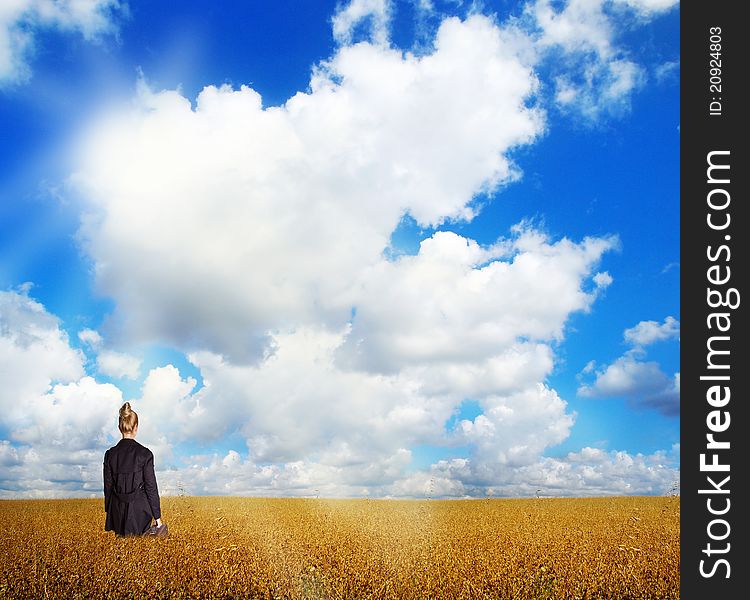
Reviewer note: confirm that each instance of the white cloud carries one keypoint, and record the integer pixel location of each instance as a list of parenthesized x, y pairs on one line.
[(302, 404), (514, 430), (212, 226), (643, 383), (297, 403), (589, 26), (456, 301), (90, 338), (34, 353), (667, 400), (59, 421), (352, 399), (595, 472), (52, 472), (603, 280), (668, 71), (21, 19), (168, 413), (375, 13), (118, 364), (258, 235), (8, 454), (72, 417), (593, 74), (285, 207), (627, 376), (580, 25), (312, 428), (590, 472), (649, 332), (110, 362), (648, 8), (253, 237)]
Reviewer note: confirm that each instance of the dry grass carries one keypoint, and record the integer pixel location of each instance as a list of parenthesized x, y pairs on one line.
[(619, 548)]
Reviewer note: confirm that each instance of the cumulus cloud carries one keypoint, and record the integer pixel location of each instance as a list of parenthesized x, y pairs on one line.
[(648, 7), (241, 219), (90, 338), (110, 362), (34, 353), (211, 226), (312, 427), (59, 420), (297, 403), (455, 301), (374, 14), (515, 429), (603, 280), (168, 413), (578, 25), (627, 375), (649, 332), (589, 472), (642, 382), (8, 454), (668, 71), (593, 75), (354, 417), (21, 19), (76, 417), (118, 364), (254, 239), (466, 326)]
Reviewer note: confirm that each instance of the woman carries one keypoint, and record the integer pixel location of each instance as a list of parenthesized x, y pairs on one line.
[(131, 497)]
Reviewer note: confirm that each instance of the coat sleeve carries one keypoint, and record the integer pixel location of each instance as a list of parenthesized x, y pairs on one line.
[(150, 487), (108, 482)]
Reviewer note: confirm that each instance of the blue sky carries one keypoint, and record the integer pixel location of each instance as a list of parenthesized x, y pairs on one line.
[(367, 248)]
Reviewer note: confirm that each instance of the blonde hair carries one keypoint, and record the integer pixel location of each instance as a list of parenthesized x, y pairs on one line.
[(128, 419)]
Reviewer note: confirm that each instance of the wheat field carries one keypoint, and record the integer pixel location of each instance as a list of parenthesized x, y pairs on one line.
[(226, 547)]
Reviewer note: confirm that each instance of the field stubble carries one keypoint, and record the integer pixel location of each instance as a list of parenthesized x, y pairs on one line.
[(224, 547)]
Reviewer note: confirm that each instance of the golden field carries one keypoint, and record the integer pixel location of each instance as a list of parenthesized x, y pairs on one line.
[(224, 547)]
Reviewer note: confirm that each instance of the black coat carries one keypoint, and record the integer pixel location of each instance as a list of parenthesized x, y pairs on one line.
[(131, 497)]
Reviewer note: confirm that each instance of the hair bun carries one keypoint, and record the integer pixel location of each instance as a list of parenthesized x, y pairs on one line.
[(128, 421)]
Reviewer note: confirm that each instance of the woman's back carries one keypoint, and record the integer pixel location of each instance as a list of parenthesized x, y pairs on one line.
[(131, 495)]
